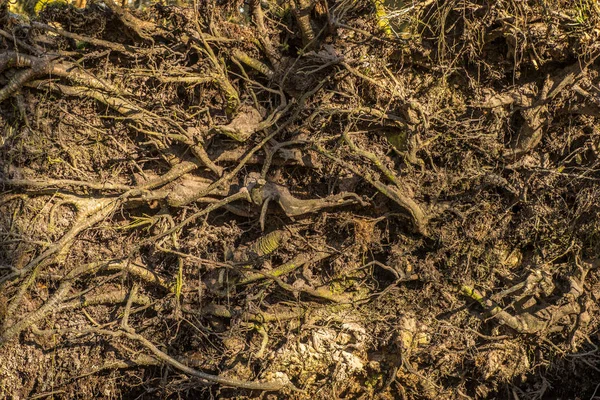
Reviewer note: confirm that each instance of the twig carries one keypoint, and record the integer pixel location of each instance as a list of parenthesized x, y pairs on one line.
[(132, 295), (407, 203), (221, 380), (62, 183), (97, 42)]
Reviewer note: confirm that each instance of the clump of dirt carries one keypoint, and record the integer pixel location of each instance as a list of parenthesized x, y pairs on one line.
[(300, 199)]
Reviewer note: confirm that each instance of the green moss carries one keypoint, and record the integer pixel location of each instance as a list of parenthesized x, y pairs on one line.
[(398, 140), (373, 380)]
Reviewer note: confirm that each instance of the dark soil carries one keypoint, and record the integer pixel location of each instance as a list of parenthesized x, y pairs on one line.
[(301, 199)]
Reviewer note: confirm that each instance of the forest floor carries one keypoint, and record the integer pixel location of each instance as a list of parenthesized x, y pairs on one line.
[(301, 199)]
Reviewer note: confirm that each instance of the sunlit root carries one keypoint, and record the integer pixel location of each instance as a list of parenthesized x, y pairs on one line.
[(293, 206)]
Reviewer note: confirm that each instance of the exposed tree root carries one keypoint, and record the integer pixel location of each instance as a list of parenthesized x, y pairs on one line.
[(217, 186)]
